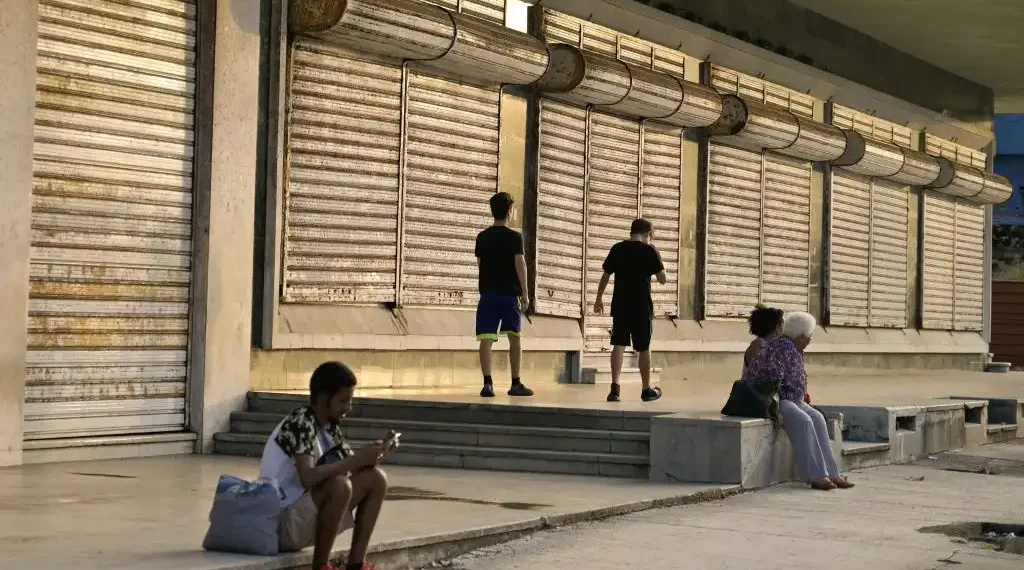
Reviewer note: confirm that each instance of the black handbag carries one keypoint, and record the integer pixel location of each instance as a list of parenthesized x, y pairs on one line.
[(748, 401)]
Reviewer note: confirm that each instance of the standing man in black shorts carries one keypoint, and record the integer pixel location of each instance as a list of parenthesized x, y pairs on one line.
[(633, 262), (503, 293)]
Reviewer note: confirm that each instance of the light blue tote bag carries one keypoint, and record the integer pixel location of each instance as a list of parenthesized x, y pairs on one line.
[(244, 517)]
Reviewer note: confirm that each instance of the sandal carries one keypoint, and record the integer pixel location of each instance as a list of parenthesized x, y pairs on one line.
[(842, 483), (823, 485)]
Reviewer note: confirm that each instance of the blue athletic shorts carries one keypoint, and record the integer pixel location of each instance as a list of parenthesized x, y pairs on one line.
[(498, 313)]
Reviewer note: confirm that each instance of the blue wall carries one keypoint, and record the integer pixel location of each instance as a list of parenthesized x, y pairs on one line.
[(1009, 162)]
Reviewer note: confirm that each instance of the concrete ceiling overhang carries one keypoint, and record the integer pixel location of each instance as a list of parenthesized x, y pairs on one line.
[(979, 40)]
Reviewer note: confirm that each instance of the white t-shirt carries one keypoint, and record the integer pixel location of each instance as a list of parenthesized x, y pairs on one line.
[(303, 437)]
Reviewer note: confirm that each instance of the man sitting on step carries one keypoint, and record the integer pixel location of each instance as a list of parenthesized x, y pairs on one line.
[(323, 480), (633, 262)]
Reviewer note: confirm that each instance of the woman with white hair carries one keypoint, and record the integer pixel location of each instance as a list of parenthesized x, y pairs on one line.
[(781, 359)]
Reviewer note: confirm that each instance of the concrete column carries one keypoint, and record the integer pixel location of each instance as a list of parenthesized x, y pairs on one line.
[(225, 213), (819, 240), (17, 112)]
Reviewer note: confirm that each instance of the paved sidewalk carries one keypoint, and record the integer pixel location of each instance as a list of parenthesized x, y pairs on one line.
[(152, 513), (789, 527)]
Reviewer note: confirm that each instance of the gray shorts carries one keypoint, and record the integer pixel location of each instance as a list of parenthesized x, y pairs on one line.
[(297, 527)]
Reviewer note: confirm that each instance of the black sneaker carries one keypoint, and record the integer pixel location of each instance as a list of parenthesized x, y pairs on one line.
[(488, 391), (519, 390), (650, 394), (613, 394)]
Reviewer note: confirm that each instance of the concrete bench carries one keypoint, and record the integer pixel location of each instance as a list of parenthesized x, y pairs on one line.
[(1005, 418), (725, 449)]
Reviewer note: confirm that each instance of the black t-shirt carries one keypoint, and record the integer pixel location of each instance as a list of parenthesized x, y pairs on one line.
[(632, 263), (497, 248)]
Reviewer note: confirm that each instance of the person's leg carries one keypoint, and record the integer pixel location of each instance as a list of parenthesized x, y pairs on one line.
[(800, 429), (512, 327), (487, 322), (620, 340), (332, 498), (369, 489), (824, 443), (644, 358), (641, 331)]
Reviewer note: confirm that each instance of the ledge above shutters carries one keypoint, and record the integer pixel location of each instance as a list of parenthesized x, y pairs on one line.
[(439, 40), (583, 78)]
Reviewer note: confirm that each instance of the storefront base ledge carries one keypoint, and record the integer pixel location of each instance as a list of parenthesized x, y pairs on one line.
[(293, 341), (109, 447)]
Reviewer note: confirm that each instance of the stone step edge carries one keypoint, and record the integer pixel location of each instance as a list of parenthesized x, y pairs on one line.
[(503, 429), (996, 428), (477, 451), (361, 401), (859, 447)]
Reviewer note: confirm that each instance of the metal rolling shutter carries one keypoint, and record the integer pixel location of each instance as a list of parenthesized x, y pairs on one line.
[(870, 216), (970, 267), (611, 205), (849, 263), (659, 203), (889, 220), (786, 233), (938, 263), (341, 196), (451, 172), (111, 253), (733, 267), (563, 131)]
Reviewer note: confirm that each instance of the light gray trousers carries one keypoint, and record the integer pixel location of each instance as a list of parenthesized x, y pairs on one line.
[(808, 433)]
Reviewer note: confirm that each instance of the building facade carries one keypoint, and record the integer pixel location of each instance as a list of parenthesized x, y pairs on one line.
[(214, 196)]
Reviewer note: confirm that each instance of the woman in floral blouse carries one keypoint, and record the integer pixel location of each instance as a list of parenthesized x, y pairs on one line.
[(781, 358)]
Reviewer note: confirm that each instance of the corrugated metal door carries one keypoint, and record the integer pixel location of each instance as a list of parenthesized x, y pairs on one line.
[(939, 261), (451, 171), (786, 233), (889, 219), (758, 244), (561, 188), (341, 195), (659, 203), (111, 250), (850, 251), (733, 253), (612, 192), (970, 266)]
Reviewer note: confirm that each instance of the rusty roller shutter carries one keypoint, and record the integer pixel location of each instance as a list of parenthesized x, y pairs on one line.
[(111, 252), (341, 194), (611, 205), (733, 258), (659, 203), (560, 209), (970, 266), (849, 253), (785, 233), (889, 220), (939, 261), (451, 171)]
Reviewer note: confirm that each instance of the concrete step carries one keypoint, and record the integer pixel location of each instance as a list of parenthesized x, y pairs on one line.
[(489, 458), (470, 413), (602, 360), (862, 454), (485, 435), (603, 375)]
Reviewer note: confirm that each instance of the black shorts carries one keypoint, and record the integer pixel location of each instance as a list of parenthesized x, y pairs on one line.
[(635, 330)]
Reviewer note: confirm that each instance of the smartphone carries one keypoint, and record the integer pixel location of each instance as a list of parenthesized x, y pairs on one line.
[(391, 441)]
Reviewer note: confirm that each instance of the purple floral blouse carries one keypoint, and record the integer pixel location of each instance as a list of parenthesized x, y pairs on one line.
[(779, 359)]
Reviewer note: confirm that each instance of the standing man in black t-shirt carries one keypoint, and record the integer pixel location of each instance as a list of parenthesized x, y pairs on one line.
[(503, 293), (633, 262)]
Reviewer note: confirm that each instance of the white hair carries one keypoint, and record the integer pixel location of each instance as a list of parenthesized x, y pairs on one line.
[(798, 324)]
